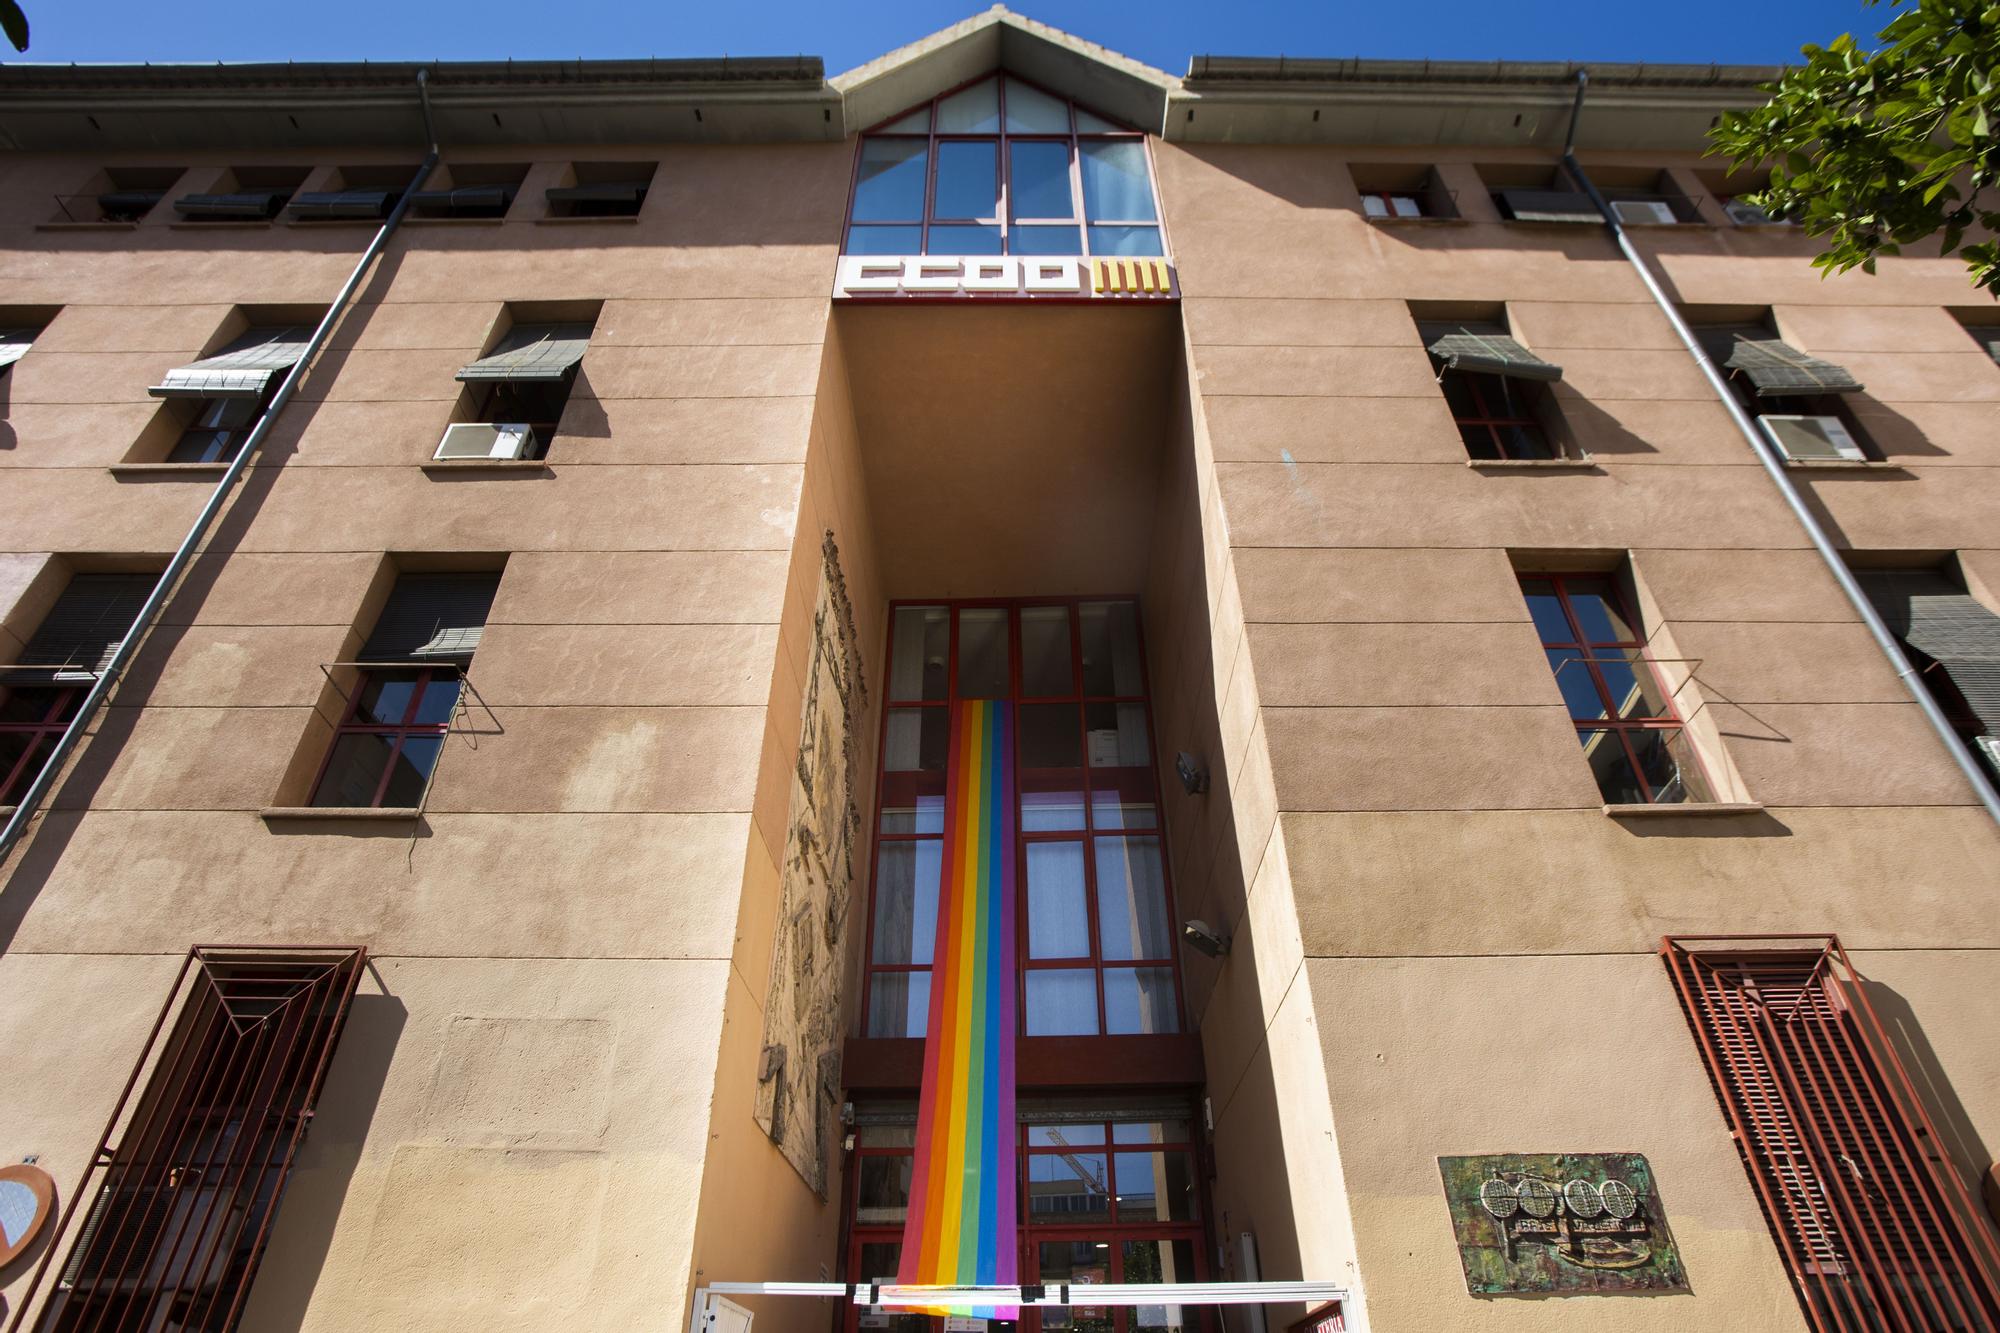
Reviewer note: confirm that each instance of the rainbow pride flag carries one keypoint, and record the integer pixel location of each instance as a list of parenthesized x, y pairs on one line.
[(961, 1228)]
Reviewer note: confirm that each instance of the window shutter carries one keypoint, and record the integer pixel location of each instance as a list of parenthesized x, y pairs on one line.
[(618, 192), (1775, 368), (432, 618), (1930, 613), (1876, 1228), (532, 353), (88, 622), (244, 369), (1485, 349), (1549, 206), (342, 204)]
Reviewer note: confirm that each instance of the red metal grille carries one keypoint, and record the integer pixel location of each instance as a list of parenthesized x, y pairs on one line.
[(179, 1199), (1874, 1224)]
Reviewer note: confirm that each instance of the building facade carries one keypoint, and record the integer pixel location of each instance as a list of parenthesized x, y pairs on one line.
[(1469, 848)]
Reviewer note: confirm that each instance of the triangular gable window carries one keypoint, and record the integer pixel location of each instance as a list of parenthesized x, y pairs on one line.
[(1001, 166)]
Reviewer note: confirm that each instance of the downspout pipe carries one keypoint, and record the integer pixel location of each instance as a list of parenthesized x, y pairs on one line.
[(107, 679), (1906, 671)]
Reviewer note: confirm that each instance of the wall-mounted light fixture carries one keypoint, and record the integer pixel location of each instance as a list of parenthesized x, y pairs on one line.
[(1194, 778), (1204, 938)]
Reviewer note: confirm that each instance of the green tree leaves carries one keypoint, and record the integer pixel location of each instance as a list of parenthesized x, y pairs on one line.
[(1876, 151)]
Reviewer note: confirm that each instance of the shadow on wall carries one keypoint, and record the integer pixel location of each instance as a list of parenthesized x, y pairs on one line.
[(316, 1190), (1253, 1189), (49, 836), (1963, 1144)]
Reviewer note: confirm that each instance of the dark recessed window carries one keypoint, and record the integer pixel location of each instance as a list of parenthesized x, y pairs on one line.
[(515, 395), (1498, 392), (401, 707), (1003, 167), (1799, 400), (43, 691), (1625, 719)]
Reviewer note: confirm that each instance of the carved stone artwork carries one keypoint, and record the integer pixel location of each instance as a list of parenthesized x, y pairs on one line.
[(798, 1074)]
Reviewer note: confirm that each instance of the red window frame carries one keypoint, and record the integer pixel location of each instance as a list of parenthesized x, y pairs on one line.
[(1638, 657), (400, 732), (1493, 422), (1872, 1221), (1388, 198), (1001, 138), (1110, 1232), (1087, 835), (41, 734)]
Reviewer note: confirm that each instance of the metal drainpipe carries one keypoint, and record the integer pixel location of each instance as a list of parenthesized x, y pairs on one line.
[(31, 799), (1968, 763)]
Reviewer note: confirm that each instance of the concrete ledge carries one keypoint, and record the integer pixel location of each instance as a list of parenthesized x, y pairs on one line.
[(222, 224), (85, 226), (626, 219), (167, 469), (515, 465), (1535, 464), (1687, 808), (1844, 465), (452, 222), (339, 813), (1425, 221)]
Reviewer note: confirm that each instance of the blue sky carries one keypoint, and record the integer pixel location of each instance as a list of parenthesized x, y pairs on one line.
[(846, 34)]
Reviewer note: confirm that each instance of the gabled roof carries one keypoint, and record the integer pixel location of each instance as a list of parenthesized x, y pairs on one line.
[(1114, 85)]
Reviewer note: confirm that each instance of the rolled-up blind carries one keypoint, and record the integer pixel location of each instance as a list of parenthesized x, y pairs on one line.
[(88, 622), (244, 369), (1939, 619), (432, 618), (1485, 349)]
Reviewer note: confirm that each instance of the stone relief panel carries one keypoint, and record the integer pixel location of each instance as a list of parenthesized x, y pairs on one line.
[(798, 1075)]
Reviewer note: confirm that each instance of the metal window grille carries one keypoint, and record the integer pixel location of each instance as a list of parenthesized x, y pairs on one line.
[(166, 1229), (1873, 1222)]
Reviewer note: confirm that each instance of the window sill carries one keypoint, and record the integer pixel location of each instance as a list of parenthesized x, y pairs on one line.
[(85, 226), (311, 224), (1425, 221), (167, 469), (452, 222), (1686, 808), (1842, 465), (223, 224), (626, 219), (488, 465), (333, 814), (1534, 464)]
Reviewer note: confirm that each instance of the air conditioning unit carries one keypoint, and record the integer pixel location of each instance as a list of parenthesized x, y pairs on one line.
[(1746, 214), (1643, 210), (1811, 437), (486, 439)]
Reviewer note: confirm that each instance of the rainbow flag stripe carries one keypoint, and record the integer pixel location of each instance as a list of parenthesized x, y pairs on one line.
[(962, 1219)]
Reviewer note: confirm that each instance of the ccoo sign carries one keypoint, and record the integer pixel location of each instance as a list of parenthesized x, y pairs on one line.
[(1003, 277)]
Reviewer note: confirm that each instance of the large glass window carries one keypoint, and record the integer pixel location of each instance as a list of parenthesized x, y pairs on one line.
[(1103, 1201), (1003, 167), (1625, 719), (1096, 930)]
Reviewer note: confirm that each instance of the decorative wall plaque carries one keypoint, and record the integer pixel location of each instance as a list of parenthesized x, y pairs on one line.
[(1534, 1224), (798, 1072)]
